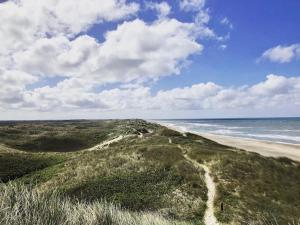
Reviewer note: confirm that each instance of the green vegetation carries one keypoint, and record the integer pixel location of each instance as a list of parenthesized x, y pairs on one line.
[(15, 165), (61, 136), (23, 205), (145, 171), (252, 186), (139, 191)]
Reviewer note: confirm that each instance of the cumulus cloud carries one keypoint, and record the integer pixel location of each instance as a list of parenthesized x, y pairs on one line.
[(137, 50), (24, 21), (13, 84), (163, 8), (134, 51), (57, 56), (47, 39), (282, 54), (225, 21), (192, 5), (273, 92), (201, 18)]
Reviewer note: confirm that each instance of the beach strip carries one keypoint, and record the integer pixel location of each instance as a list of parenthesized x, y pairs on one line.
[(265, 148)]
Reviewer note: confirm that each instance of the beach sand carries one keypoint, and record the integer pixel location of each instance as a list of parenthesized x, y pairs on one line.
[(265, 148)]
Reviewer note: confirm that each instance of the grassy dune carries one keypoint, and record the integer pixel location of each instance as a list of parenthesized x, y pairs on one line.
[(144, 172), (22, 205)]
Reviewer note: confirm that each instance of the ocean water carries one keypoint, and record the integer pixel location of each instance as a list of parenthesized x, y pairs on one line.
[(281, 130)]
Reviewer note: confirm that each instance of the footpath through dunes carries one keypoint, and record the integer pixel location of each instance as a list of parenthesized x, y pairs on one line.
[(209, 216), (107, 143)]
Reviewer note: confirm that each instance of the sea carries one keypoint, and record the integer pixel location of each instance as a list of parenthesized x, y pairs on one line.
[(280, 130)]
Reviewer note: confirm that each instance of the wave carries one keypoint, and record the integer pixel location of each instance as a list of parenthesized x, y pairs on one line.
[(234, 131), (173, 125), (285, 130), (204, 125), (216, 126), (275, 137), (226, 132)]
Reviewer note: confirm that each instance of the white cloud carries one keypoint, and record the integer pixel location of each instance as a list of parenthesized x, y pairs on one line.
[(192, 5), (223, 47), (13, 85), (137, 50), (282, 54), (163, 8), (134, 51), (193, 97), (57, 56), (24, 21), (225, 21), (275, 92), (46, 39), (37, 40), (201, 17)]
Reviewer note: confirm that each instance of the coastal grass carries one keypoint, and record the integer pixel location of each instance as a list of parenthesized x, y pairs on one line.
[(15, 165), (249, 186), (64, 136), (139, 191), (252, 186), (21, 204)]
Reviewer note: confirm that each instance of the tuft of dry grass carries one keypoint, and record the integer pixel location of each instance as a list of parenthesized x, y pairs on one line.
[(20, 204)]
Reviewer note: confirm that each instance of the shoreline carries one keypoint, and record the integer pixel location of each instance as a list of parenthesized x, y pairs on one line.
[(265, 148)]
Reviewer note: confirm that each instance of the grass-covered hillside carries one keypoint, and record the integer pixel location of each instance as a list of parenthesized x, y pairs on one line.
[(135, 172)]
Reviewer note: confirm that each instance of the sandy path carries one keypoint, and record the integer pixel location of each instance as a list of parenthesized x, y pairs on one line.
[(106, 143), (209, 216), (5, 149)]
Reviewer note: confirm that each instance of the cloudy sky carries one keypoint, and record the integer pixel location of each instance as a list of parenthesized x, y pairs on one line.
[(149, 59)]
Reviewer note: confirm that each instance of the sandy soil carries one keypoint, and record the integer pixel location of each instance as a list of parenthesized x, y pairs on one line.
[(5, 149), (265, 148), (106, 143), (209, 216)]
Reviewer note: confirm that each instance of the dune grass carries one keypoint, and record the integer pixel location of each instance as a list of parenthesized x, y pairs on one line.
[(20, 204), (64, 136), (15, 165), (251, 187), (139, 191)]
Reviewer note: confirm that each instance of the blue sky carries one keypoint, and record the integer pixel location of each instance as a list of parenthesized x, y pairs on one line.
[(111, 58), (257, 26)]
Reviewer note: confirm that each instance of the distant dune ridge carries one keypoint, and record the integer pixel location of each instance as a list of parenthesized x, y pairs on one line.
[(141, 173)]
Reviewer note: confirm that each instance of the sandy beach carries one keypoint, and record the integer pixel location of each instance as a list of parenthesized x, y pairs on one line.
[(265, 148)]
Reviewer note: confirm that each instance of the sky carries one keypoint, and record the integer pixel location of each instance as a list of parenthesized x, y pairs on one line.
[(98, 59)]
